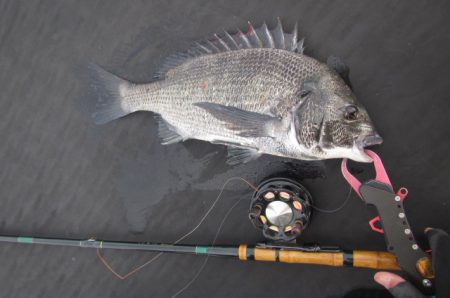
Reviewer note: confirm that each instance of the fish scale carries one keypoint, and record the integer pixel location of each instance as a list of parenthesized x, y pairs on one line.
[(231, 84), (255, 92)]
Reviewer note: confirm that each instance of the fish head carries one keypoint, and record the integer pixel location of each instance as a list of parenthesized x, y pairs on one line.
[(332, 122)]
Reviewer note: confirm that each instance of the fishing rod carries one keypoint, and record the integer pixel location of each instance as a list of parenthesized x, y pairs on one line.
[(329, 256), (282, 208)]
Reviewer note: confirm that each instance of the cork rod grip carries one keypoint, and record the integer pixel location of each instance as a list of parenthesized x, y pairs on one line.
[(375, 260), (319, 258), (362, 259)]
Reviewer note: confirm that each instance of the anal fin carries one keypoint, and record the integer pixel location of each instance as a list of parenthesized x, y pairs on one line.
[(237, 155), (167, 132)]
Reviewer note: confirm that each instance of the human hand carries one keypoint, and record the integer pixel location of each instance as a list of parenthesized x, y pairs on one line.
[(440, 246)]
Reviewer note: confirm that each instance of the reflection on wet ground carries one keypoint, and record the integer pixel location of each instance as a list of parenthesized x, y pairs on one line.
[(147, 179)]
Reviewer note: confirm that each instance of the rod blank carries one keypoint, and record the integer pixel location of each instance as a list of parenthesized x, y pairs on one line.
[(361, 259)]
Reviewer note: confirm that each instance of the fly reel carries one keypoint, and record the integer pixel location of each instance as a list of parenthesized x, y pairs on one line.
[(281, 208)]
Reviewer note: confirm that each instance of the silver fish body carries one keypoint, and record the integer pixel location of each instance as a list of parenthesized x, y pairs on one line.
[(254, 99)]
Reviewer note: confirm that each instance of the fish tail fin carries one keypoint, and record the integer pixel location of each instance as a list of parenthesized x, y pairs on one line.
[(111, 90)]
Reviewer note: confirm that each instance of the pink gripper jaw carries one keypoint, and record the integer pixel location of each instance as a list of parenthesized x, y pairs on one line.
[(381, 176), (380, 171), (354, 183)]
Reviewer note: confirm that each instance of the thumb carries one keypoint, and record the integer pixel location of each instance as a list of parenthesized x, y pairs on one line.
[(397, 286), (388, 280)]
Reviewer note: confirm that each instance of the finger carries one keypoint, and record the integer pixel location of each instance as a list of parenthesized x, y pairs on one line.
[(388, 280), (440, 246), (397, 286), (406, 290), (435, 233)]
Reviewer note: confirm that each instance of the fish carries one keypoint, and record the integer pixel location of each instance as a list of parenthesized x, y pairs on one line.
[(255, 92)]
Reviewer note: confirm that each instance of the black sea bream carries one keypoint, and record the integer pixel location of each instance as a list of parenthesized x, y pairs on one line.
[(255, 92)]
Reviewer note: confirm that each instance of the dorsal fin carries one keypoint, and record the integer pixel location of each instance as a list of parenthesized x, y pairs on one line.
[(261, 37), (265, 36)]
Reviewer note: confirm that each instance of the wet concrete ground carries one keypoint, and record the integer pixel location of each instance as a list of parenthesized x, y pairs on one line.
[(62, 176)]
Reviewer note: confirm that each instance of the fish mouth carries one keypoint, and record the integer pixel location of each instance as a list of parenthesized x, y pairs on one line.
[(371, 140), (367, 141)]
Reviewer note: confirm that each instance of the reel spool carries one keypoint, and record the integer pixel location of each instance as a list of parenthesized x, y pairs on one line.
[(281, 208)]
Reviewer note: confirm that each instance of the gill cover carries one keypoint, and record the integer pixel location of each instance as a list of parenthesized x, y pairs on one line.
[(308, 114)]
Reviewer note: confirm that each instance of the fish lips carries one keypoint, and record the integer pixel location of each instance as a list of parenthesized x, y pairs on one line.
[(367, 141), (371, 140)]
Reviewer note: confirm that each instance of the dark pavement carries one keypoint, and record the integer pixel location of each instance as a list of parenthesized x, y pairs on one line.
[(62, 176)]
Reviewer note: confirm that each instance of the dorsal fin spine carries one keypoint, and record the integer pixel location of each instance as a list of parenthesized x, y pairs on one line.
[(231, 40), (278, 35), (270, 42), (260, 37), (253, 37), (212, 46), (243, 37), (222, 42), (205, 49)]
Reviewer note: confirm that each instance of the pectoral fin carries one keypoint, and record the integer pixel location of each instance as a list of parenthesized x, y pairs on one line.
[(245, 123)]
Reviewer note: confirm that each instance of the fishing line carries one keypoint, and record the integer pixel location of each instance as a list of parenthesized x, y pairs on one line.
[(200, 270), (329, 211), (137, 269), (202, 267), (157, 256)]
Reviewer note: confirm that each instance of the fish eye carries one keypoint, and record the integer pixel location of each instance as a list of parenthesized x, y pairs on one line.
[(351, 112)]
